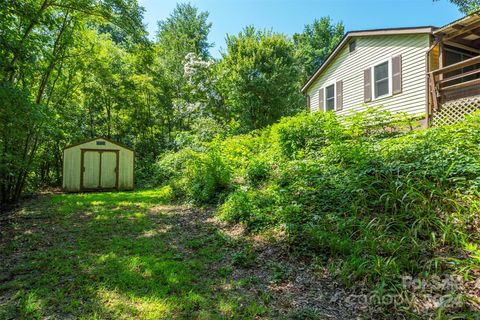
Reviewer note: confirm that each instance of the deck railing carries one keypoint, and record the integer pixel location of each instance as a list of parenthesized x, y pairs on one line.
[(457, 80)]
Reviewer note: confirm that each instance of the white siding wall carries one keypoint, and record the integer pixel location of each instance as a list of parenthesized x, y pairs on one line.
[(370, 50)]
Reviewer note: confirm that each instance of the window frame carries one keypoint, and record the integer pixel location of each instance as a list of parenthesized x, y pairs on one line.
[(390, 79), (325, 86)]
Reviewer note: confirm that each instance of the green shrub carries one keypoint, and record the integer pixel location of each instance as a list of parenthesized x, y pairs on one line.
[(257, 171), (238, 151), (378, 122), (254, 208), (198, 177), (206, 177), (366, 194), (298, 135), (172, 165)]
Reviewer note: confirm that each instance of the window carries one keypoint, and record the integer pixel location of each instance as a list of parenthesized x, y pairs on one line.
[(352, 45), (381, 79), (330, 97)]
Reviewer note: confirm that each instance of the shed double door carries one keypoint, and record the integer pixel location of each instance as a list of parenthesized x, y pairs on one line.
[(99, 169)]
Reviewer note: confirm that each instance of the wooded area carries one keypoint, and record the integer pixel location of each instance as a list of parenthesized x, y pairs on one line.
[(79, 69)]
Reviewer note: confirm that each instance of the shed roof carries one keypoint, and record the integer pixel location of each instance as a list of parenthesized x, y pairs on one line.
[(97, 138), (362, 33)]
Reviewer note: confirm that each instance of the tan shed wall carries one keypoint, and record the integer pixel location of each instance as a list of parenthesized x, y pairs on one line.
[(71, 169), (370, 50), (72, 162), (125, 175)]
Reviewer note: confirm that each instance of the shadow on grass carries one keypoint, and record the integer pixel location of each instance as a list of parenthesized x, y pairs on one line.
[(117, 256)]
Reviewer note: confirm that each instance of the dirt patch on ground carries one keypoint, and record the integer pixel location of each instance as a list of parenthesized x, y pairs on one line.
[(288, 285)]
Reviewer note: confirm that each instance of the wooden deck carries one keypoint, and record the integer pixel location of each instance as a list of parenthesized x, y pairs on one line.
[(454, 75), (453, 82)]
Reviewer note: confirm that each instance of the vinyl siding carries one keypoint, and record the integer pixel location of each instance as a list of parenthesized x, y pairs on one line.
[(370, 50)]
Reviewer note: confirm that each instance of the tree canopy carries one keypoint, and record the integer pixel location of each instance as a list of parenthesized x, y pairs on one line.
[(466, 6), (260, 77), (315, 43)]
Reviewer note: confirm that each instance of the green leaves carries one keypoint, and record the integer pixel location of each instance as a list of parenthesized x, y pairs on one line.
[(58, 64), (315, 43), (466, 6), (365, 194), (260, 78), (184, 31)]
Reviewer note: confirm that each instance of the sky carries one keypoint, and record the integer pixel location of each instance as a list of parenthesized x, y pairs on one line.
[(290, 16)]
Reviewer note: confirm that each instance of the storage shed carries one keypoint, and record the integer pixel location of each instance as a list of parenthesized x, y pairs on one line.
[(98, 164)]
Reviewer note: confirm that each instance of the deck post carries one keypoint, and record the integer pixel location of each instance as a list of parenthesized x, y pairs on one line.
[(433, 90), (441, 57)]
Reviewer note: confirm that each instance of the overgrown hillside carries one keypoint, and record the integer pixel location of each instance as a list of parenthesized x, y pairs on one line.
[(367, 197)]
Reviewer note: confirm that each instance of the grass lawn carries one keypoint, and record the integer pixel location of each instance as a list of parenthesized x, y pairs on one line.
[(131, 256), (116, 256)]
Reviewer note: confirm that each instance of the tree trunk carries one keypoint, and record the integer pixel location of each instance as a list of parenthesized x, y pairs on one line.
[(56, 48)]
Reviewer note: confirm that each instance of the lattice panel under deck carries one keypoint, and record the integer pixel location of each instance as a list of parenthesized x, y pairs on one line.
[(454, 111)]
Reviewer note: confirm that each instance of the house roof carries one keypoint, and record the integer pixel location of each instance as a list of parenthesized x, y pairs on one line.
[(458, 24), (362, 33), (463, 33), (97, 138)]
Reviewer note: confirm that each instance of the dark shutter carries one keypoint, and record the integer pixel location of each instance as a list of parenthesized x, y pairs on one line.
[(367, 85), (308, 102), (397, 74), (321, 99), (339, 87)]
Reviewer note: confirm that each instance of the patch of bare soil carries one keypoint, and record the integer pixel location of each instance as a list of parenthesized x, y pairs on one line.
[(288, 286), (297, 289)]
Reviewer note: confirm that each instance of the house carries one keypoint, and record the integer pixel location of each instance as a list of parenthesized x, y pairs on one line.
[(421, 71)]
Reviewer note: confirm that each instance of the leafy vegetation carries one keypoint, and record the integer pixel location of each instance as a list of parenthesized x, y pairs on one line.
[(466, 6), (368, 196), (315, 43), (86, 69), (261, 78)]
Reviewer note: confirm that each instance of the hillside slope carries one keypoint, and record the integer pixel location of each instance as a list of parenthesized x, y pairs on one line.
[(374, 201)]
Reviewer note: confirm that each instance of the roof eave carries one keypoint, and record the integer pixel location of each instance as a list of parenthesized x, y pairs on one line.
[(474, 16), (96, 138)]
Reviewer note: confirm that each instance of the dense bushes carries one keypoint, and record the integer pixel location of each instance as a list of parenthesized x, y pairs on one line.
[(366, 194), (198, 177)]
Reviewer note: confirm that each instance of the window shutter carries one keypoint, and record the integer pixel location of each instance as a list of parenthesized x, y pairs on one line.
[(397, 74), (339, 98), (308, 102), (321, 100), (367, 85)]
